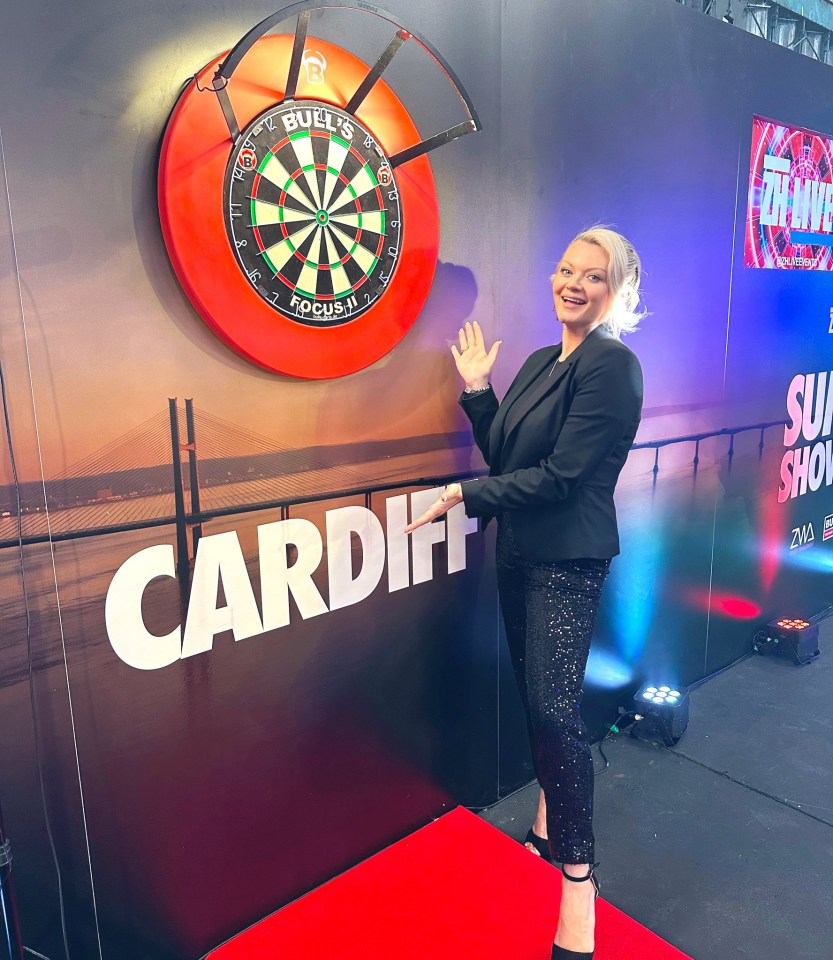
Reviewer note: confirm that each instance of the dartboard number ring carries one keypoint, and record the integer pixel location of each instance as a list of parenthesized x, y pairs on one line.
[(312, 213)]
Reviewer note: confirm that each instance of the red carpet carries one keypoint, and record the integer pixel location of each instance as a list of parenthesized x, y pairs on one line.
[(457, 889)]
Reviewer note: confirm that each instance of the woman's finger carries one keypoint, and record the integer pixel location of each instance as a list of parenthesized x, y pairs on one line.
[(478, 336), (455, 352), (425, 518), (437, 509), (461, 333)]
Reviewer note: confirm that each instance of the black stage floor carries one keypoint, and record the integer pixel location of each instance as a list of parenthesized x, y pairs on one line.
[(723, 844)]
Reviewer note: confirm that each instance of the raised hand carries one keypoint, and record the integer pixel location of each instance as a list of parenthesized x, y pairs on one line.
[(474, 362)]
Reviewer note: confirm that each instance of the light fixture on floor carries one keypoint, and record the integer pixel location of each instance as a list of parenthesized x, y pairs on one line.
[(792, 637), (662, 712)]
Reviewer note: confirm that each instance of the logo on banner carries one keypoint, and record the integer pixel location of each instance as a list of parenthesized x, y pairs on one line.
[(789, 218), (297, 202), (827, 533), (802, 536)]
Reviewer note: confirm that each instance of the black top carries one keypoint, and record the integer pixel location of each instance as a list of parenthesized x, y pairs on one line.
[(555, 448)]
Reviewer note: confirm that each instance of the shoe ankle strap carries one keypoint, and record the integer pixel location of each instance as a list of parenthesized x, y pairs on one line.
[(590, 871)]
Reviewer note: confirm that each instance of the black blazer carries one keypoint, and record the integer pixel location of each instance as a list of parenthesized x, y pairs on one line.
[(555, 447)]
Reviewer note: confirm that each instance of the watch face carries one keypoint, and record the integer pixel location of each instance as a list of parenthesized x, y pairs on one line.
[(312, 213)]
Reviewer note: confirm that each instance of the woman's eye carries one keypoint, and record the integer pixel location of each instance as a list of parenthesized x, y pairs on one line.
[(565, 271)]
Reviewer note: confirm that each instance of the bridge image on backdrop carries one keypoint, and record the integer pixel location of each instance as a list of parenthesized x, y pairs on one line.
[(185, 467)]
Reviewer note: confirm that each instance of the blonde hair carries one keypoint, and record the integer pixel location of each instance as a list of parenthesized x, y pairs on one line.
[(623, 275)]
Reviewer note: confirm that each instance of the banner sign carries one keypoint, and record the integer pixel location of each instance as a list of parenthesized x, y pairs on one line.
[(789, 213)]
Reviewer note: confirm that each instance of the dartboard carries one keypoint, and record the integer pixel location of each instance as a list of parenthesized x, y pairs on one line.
[(312, 213), (296, 199)]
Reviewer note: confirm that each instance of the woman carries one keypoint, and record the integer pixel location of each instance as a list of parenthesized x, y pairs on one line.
[(555, 447)]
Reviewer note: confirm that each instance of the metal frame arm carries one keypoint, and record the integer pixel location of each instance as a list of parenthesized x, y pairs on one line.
[(302, 10)]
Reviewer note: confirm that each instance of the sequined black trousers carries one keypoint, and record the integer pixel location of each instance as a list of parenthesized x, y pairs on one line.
[(549, 610)]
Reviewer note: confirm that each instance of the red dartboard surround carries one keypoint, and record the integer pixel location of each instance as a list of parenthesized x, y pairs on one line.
[(194, 157)]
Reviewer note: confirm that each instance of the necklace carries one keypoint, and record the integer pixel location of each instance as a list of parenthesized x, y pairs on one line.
[(557, 360)]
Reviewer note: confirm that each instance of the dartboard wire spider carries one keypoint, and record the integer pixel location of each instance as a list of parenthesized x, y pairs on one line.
[(302, 12)]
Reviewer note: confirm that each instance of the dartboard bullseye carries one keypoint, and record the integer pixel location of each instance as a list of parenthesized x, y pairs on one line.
[(312, 213)]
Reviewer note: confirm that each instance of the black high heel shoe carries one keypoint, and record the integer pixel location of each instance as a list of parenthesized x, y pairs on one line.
[(540, 844), (560, 953)]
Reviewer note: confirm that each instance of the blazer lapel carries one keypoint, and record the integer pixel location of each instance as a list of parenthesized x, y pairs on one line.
[(526, 400), (515, 394), (531, 398)]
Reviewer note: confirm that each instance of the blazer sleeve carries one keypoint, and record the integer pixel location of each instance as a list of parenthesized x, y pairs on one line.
[(607, 402), (481, 409)]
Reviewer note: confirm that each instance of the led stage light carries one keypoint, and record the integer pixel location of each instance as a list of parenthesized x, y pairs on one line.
[(662, 713), (792, 637)]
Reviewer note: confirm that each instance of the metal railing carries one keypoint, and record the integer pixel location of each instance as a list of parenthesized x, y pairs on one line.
[(189, 516)]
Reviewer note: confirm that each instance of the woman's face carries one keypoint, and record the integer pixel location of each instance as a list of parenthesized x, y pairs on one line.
[(579, 287)]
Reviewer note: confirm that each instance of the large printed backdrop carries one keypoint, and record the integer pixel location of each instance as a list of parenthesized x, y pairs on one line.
[(218, 786)]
